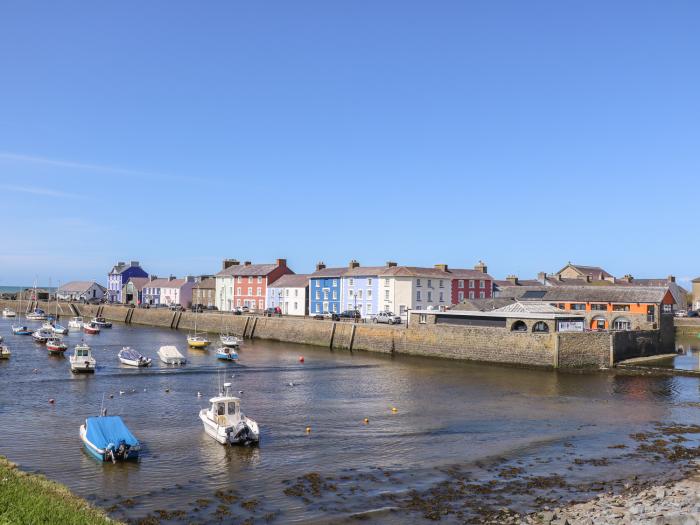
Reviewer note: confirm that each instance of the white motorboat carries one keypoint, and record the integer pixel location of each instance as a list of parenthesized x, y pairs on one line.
[(170, 355), (82, 360), (5, 352), (225, 422), (227, 354), (8, 312), (42, 335), (56, 346), (230, 340), (131, 357), (37, 315), (101, 322), (76, 323)]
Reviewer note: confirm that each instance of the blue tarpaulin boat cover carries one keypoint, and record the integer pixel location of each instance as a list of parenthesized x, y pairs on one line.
[(101, 431)]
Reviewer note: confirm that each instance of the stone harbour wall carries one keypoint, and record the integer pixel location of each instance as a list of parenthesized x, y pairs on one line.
[(485, 344)]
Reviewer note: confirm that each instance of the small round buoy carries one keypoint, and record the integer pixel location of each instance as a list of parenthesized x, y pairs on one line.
[(290, 384), (199, 394), (301, 358), (121, 392), (394, 410), (366, 420), (36, 370), (240, 391), (111, 396), (308, 430), (167, 390), (52, 401)]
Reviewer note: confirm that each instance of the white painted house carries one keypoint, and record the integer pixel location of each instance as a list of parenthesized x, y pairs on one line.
[(290, 292), (81, 291), (404, 287)]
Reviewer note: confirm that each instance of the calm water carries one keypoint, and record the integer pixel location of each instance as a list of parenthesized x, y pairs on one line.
[(451, 416)]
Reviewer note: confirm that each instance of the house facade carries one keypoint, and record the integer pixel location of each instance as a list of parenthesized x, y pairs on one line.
[(204, 291), (118, 277), (360, 289), (133, 290), (169, 291), (290, 293), (239, 285), (80, 291), (325, 289)]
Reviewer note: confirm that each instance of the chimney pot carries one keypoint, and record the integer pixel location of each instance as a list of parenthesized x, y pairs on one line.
[(390, 264), (513, 279), (120, 263), (671, 278), (353, 264), (481, 267), (247, 263), (441, 267), (542, 277), (282, 262), (227, 263), (171, 278), (320, 265), (134, 263)]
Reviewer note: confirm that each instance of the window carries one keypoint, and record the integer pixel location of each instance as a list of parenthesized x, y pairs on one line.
[(250, 279), (460, 296), (482, 295), (318, 308), (540, 327), (471, 283), (259, 290), (359, 294), (518, 326), (386, 282), (286, 292), (460, 283), (318, 283), (471, 295), (423, 318), (621, 308), (351, 292), (238, 290), (430, 297), (622, 323), (335, 308), (259, 279), (386, 295), (482, 284), (430, 283), (442, 297), (250, 290), (318, 295), (335, 282), (369, 309), (369, 281), (238, 302), (418, 282), (335, 295), (296, 292), (261, 304), (577, 306), (599, 307), (240, 279), (442, 283), (418, 295), (352, 282), (296, 306), (369, 294)]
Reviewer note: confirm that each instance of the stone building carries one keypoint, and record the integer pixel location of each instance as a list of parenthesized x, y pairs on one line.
[(204, 291)]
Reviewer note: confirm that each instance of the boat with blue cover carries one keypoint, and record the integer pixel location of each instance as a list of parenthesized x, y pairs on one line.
[(227, 354), (107, 438)]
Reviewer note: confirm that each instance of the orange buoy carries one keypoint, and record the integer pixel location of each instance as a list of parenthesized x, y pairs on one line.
[(308, 430), (301, 358), (366, 420)]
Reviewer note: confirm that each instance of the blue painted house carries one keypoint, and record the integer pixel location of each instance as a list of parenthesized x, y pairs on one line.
[(325, 289), (360, 289), (119, 276)]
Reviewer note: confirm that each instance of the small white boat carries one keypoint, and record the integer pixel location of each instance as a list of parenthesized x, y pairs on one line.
[(225, 422), (230, 340), (42, 335), (82, 360), (5, 352), (59, 329), (170, 355), (227, 354), (37, 315), (76, 323), (131, 357), (8, 312), (56, 346), (101, 322), (91, 328)]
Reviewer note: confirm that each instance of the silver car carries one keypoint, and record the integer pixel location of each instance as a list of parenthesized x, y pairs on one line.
[(388, 318)]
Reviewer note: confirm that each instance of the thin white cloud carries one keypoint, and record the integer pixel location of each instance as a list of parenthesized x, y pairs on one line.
[(82, 166), (38, 190)]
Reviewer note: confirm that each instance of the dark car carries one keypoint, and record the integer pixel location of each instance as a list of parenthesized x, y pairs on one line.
[(693, 313), (330, 316), (350, 314)]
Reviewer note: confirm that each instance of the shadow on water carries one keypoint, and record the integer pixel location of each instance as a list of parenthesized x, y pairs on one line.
[(514, 437)]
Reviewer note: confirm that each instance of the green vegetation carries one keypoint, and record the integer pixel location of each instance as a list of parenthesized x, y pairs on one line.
[(32, 499)]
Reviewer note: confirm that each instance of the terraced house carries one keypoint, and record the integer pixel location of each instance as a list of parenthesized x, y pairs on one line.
[(290, 293), (118, 277), (239, 285), (325, 289)]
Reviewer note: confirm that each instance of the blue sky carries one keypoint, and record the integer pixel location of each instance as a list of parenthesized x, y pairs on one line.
[(525, 134)]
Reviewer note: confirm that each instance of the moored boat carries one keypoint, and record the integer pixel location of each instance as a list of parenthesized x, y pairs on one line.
[(59, 329), (8, 312), (91, 328), (82, 359), (76, 323), (230, 340), (5, 352), (227, 354), (131, 357), (20, 329), (107, 438), (101, 322), (225, 422), (197, 341), (37, 315), (171, 355), (56, 346), (41, 335)]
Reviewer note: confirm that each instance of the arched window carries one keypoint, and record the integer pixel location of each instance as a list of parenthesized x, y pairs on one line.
[(518, 326), (622, 323), (540, 327)]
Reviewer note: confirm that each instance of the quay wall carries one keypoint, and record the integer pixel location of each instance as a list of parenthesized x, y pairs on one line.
[(485, 344), (687, 325)]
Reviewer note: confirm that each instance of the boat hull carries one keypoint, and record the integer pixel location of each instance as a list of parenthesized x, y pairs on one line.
[(101, 454), (198, 344), (219, 433), (134, 363), (227, 356), (56, 350), (82, 367), (91, 331)]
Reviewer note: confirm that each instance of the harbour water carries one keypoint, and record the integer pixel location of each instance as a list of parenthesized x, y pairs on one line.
[(505, 437)]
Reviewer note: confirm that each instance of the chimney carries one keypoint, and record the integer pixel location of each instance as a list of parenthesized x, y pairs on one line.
[(559, 277), (172, 278), (441, 267), (152, 278), (247, 263), (512, 279), (120, 263), (320, 265), (542, 277), (628, 278), (390, 264), (671, 278), (481, 267), (353, 264), (227, 263), (189, 278), (134, 263), (282, 262)]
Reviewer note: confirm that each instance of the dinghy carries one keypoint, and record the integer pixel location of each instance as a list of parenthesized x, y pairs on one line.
[(82, 360), (21, 330), (102, 322), (8, 312), (227, 354), (171, 356), (76, 323), (107, 438), (5, 352), (131, 357), (55, 346), (225, 422), (91, 328), (230, 340)]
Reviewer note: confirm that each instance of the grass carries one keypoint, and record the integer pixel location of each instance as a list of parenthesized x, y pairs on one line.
[(33, 499)]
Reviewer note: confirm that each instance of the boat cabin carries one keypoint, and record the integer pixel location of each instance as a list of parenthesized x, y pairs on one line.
[(225, 409), (82, 351)]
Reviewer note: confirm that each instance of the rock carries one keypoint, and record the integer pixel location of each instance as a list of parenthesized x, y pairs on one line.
[(547, 516)]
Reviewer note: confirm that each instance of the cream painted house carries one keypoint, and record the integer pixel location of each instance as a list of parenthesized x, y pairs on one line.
[(290, 293), (408, 287)]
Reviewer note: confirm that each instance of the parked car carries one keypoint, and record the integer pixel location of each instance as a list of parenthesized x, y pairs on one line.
[(175, 308), (350, 314), (328, 316), (693, 313), (211, 307), (270, 311), (681, 313), (387, 317)]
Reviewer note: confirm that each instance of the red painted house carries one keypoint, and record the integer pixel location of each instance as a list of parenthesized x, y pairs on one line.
[(246, 284), (471, 284)]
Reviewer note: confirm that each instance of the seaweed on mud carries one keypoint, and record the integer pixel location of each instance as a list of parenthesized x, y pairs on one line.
[(510, 473), (618, 446), (227, 496), (311, 484), (596, 462), (170, 514), (679, 429), (221, 512), (250, 505), (203, 502)]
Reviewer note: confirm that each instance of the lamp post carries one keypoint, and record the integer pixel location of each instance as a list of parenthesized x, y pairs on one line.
[(279, 300)]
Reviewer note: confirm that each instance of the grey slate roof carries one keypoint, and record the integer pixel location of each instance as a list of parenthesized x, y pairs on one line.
[(533, 307), (291, 280), (329, 272), (594, 294), (79, 286), (483, 305), (247, 270)]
